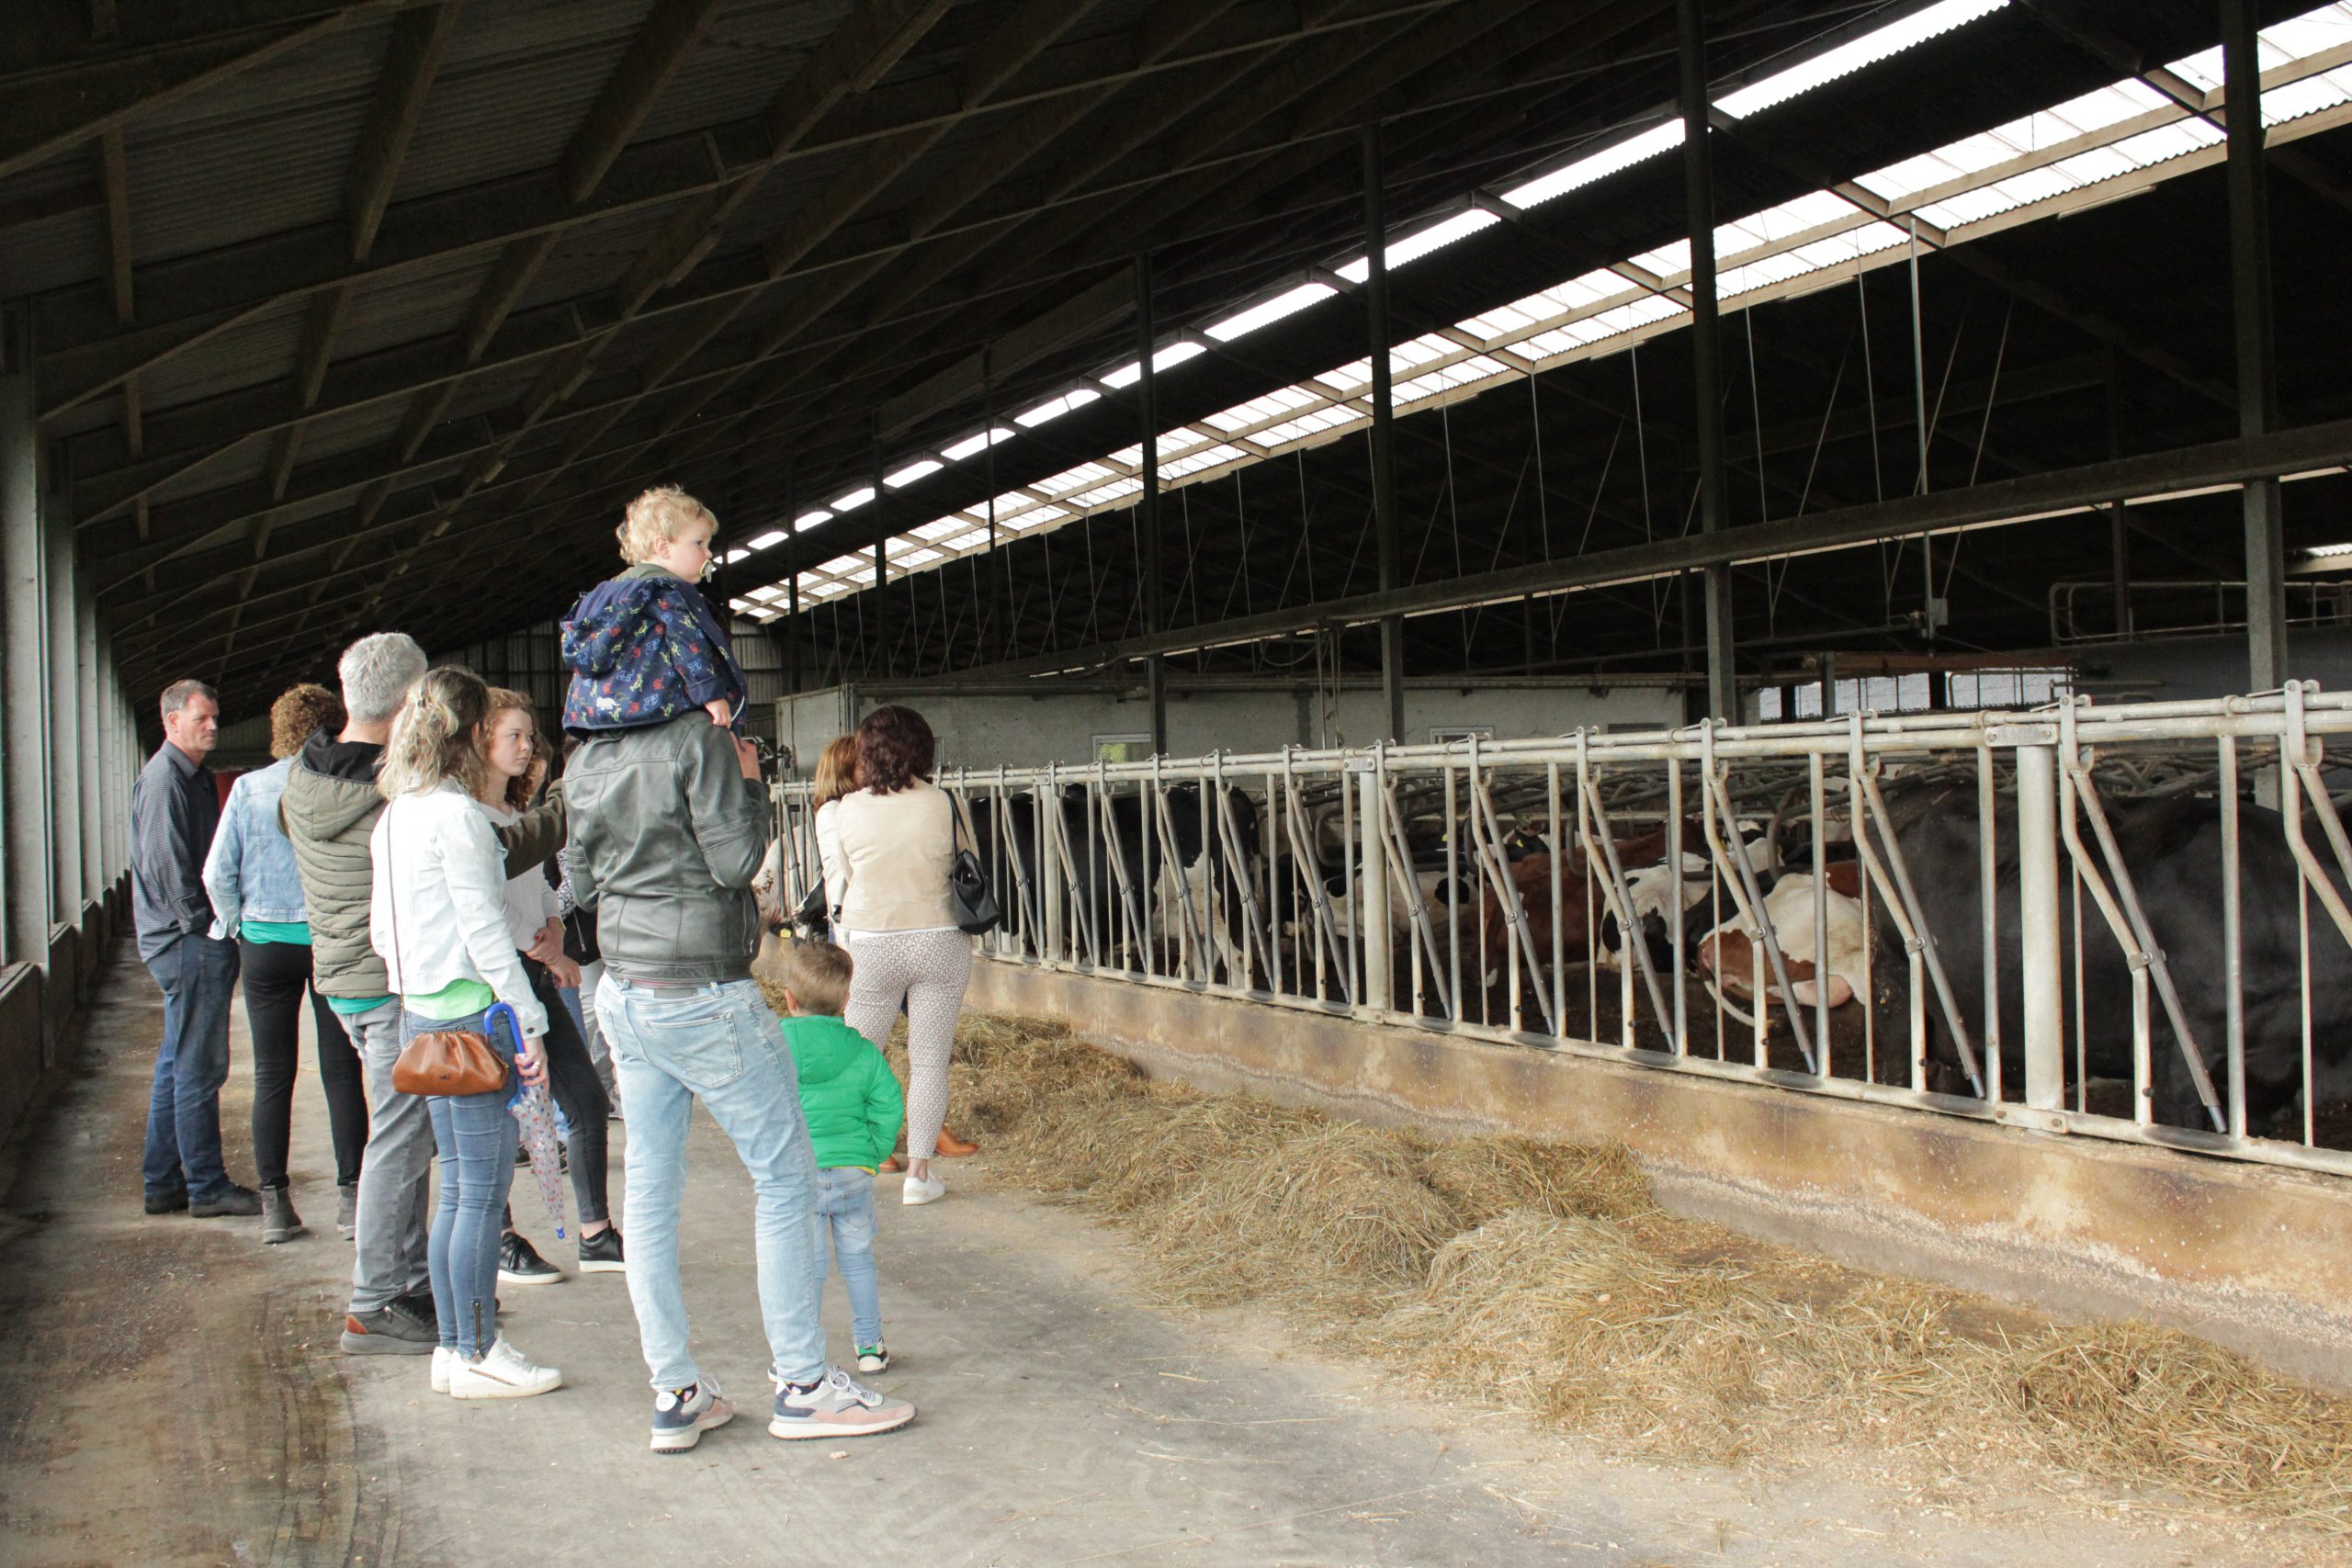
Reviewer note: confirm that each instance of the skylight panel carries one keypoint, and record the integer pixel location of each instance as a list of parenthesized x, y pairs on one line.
[(1036, 516), (770, 593), (810, 519), (1789, 219), (766, 541), (1118, 489), (963, 542), (854, 500), (1852, 56), (1307, 426), (844, 566), (1175, 354), (1762, 273), (1072, 479), (2297, 99), (1206, 457), (976, 443), (1348, 379), (1597, 166), (731, 556), (1268, 312), (911, 554), (941, 528), (1414, 246), (1054, 408)]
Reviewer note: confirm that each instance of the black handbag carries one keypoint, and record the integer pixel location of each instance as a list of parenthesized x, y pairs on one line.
[(976, 911)]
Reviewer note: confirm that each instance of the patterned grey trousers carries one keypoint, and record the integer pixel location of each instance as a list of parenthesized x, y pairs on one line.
[(928, 971)]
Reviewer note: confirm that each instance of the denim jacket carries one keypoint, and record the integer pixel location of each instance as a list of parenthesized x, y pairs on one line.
[(250, 872)]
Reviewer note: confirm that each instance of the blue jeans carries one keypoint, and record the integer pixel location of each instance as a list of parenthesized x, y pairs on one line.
[(196, 975), (717, 1044), (845, 1208), (477, 1136)]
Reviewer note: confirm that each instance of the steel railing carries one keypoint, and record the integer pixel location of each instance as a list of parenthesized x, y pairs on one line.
[(1703, 899)]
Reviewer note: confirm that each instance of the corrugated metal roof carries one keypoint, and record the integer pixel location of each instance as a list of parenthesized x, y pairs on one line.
[(411, 306), (514, 88), (271, 151), (262, 349), (752, 50)]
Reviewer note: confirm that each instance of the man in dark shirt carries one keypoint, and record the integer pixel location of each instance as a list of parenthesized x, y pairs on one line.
[(174, 808)]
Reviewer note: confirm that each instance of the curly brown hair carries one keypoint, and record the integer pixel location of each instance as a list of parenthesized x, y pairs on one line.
[(298, 713), (894, 749)]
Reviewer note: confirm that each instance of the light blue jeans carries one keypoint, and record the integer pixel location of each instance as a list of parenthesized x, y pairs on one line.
[(476, 1135), (846, 1205), (717, 1044)]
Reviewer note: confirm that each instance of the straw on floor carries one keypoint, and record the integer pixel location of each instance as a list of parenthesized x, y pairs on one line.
[(1541, 1277)]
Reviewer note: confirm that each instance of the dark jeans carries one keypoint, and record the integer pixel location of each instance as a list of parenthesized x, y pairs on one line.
[(576, 1089), (476, 1136), (275, 976), (197, 975)]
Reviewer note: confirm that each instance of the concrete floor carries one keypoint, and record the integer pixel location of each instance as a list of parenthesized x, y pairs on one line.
[(170, 1393)]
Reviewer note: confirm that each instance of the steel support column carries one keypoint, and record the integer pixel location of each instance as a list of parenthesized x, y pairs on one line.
[(2266, 575), (64, 718), (876, 661), (113, 780), (23, 657), (90, 760), (1147, 415), (1387, 549), (1706, 347)]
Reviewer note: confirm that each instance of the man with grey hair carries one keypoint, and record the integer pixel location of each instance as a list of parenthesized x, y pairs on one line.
[(329, 810), (174, 807)]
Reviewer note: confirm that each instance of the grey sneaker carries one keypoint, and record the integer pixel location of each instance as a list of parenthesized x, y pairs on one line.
[(682, 1416), (835, 1407), (396, 1328), (279, 1220)]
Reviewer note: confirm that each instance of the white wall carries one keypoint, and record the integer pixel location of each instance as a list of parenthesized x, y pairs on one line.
[(990, 729)]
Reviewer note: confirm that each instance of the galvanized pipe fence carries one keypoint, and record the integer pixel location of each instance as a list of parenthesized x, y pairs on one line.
[(2130, 922)]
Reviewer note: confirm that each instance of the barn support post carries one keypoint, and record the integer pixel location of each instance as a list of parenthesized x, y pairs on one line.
[(878, 662), (1372, 893), (2117, 524), (2040, 929), (63, 622), (1388, 550), (24, 658), (2250, 297), (1155, 665), (1706, 347)]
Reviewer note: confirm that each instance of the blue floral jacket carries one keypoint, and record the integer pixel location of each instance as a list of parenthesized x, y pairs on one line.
[(643, 649)]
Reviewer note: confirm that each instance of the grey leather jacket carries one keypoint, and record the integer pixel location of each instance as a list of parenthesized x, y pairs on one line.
[(666, 837)]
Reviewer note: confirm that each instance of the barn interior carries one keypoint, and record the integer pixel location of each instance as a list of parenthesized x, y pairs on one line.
[(1115, 380)]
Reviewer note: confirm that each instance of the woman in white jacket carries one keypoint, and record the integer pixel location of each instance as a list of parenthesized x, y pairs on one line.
[(438, 918)]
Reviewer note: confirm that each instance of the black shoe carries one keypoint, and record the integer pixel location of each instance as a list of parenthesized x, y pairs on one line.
[(601, 1253), (167, 1202), (236, 1200), (393, 1329), (519, 1263)]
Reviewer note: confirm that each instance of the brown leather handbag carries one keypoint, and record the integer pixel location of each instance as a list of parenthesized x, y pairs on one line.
[(440, 1061)]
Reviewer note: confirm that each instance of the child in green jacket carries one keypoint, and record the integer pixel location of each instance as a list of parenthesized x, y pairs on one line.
[(852, 1105)]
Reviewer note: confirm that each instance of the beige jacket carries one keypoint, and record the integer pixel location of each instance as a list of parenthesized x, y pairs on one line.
[(896, 850)]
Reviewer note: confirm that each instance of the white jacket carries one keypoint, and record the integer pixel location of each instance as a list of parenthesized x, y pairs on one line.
[(830, 859), (438, 911)]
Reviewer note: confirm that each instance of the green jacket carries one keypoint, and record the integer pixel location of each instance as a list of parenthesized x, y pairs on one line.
[(848, 1094)]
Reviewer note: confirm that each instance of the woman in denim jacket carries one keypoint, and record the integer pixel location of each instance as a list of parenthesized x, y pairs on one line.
[(257, 900)]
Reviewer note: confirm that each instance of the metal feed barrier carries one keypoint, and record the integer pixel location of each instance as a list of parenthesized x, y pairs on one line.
[(1500, 890)]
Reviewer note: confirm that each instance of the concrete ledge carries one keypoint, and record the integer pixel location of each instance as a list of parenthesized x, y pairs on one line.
[(22, 1037), (2256, 1258)]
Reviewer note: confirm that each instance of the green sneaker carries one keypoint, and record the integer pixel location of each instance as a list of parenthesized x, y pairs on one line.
[(873, 1358)]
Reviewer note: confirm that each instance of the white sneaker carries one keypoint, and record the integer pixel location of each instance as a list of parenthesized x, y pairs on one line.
[(923, 1190), (503, 1373), (443, 1359)]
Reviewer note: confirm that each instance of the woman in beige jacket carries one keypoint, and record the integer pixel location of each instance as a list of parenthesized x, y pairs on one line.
[(895, 835)]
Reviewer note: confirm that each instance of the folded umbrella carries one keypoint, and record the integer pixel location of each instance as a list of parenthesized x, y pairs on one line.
[(536, 1113)]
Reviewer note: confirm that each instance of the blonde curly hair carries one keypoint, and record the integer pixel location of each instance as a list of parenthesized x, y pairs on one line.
[(663, 513), (437, 735)]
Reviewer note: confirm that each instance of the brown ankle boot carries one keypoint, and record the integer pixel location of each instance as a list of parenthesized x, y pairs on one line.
[(952, 1147)]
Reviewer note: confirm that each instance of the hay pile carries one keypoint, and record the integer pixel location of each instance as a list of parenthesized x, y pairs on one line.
[(1540, 1277)]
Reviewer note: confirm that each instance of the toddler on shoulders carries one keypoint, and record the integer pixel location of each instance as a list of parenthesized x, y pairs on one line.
[(645, 646)]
